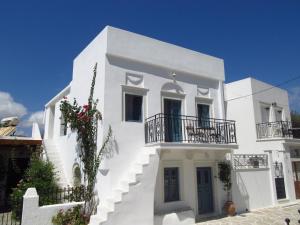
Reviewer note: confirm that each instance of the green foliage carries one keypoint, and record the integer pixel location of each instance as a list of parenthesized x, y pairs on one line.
[(73, 216), (295, 116), (84, 120), (225, 176), (40, 174)]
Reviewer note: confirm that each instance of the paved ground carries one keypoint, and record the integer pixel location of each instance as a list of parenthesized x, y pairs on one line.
[(270, 216)]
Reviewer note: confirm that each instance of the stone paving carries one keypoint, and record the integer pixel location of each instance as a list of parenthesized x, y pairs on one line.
[(269, 216)]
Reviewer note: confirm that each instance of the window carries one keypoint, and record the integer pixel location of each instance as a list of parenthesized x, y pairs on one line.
[(133, 107), (265, 114), (278, 115), (63, 126), (76, 175), (203, 115), (171, 184)]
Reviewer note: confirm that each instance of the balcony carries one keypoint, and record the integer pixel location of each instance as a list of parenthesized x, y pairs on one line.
[(188, 129), (278, 129)]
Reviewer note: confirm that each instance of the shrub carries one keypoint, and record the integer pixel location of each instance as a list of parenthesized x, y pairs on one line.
[(73, 216), (225, 176), (40, 174)]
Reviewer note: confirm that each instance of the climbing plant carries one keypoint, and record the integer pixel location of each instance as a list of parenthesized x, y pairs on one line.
[(84, 120)]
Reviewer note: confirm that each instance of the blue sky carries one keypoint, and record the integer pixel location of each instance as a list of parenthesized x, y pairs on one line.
[(39, 39)]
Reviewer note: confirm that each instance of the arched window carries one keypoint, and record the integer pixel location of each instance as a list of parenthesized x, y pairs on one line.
[(76, 175)]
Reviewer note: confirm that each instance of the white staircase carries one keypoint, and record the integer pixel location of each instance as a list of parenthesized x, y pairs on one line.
[(53, 156), (107, 207)]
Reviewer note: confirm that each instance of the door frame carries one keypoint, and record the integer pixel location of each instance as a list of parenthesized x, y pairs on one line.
[(211, 186), (214, 183), (178, 98)]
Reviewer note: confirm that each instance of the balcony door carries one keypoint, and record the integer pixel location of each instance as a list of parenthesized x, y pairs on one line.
[(172, 111)]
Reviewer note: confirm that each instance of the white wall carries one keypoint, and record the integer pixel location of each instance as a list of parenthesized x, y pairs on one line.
[(246, 112), (33, 214), (251, 189), (242, 111), (137, 47), (187, 162), (277, 95)]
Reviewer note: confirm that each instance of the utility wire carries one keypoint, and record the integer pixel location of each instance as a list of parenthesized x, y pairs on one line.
[(266, 89)]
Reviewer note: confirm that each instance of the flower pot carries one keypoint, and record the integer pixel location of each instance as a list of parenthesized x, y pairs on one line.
[(229, 208)]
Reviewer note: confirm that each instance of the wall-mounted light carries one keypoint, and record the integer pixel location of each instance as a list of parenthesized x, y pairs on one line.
[(277, 169), (174, 77), (274, 104)]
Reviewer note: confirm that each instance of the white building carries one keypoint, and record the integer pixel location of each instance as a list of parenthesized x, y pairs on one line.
[(166, 107), (263, 127)]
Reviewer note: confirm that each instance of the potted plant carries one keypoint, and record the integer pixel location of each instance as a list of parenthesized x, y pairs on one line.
[(225, 178)]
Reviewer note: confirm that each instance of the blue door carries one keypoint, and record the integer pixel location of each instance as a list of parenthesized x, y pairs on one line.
[(172, 112), (204, 189)]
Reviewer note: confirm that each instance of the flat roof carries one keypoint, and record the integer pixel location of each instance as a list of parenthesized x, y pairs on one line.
[(11, 140)]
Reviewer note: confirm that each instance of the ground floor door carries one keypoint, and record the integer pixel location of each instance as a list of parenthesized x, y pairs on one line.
[(204, 190), (296, 173), (279, 180)]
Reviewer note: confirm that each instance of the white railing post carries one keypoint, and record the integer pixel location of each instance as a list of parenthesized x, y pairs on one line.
[(30, 205)]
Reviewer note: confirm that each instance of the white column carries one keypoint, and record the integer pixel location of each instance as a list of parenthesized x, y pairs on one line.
[(221, 100), (271, 177), (288, 175)]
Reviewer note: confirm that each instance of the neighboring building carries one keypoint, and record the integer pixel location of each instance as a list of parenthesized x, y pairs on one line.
[(264, 132), (15, 153), (165, 105)]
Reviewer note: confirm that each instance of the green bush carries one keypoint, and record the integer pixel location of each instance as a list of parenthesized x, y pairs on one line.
[(40, 174), (73, 216)]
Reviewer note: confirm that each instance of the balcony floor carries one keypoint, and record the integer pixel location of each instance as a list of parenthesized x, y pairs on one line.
[(192, 146)]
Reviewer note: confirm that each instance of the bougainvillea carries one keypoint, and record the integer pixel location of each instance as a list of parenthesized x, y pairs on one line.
[(84, 121)]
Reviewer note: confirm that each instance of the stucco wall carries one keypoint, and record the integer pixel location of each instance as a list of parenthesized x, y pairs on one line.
[(187, 162), (251, 189), (246, 112)]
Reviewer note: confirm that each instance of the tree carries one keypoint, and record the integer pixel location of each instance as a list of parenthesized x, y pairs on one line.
[(40, 174)]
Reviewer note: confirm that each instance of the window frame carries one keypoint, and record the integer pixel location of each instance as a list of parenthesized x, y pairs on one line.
[(63, 128), (141, 110), (178, 184), (204, 101), (138, 91)]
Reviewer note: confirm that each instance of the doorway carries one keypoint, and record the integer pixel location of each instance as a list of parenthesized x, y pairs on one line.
[(204, 190), (172, 115), (296, 173)]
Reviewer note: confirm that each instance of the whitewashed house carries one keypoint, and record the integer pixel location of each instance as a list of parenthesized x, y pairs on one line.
[(264, 175), (157, 97)]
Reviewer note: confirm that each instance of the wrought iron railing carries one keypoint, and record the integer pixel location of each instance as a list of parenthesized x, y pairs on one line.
[(189, 129), (61, 195), (250, 161), (274, 129)]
